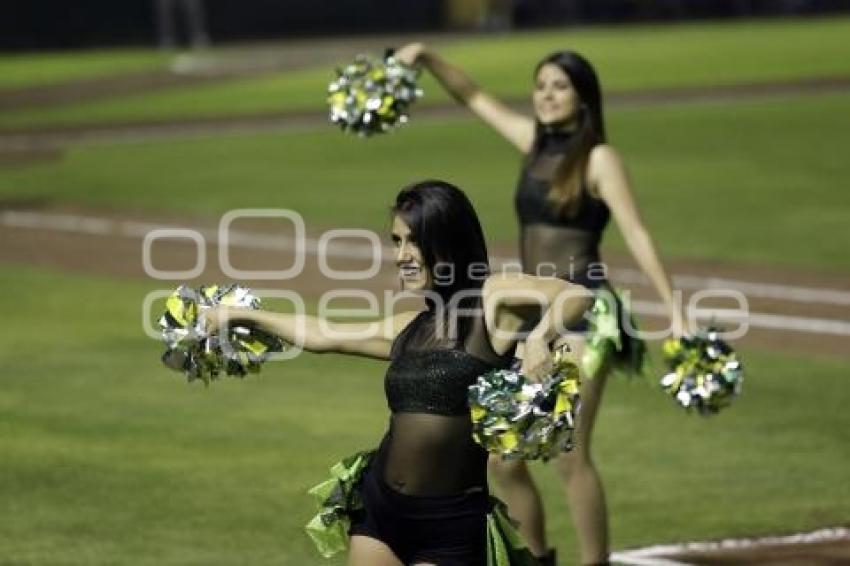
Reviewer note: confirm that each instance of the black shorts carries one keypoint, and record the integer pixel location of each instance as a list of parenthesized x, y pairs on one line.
[(594, 285), (447, 531)]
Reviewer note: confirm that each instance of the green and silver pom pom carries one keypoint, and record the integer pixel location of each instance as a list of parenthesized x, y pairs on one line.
[(705, 372), (521, 419), (205, 356), (371, 96)]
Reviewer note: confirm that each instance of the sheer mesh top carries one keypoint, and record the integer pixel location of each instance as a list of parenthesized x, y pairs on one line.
[(429, 449), (570, 243)]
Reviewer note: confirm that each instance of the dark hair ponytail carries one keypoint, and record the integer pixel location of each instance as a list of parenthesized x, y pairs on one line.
[(566, 191)]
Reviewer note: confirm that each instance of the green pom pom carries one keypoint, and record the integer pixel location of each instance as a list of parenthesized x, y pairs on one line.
[(705, 373), (372, 96), (201, 355), (516, 418)]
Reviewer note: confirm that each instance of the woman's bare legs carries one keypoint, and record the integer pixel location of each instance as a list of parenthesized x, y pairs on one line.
[(519, 492), (367, 551), (578, 476)]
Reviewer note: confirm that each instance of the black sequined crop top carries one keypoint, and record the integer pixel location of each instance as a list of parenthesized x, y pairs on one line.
[(432, 381), (429, 449), (425, 378), (570, 243)]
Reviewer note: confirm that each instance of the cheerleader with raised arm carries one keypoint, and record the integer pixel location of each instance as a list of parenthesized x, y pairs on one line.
[(571, 181)]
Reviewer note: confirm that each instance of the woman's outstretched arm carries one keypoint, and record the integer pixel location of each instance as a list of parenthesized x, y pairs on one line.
[(317, 334), (515, 127), (607, 173)]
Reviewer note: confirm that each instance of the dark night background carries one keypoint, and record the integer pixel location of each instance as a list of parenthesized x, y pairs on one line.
[(37, 24)]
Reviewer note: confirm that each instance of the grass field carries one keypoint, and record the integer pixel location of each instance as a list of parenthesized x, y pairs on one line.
[(627, 58), (699, 169), (110, 458), (51, 68)]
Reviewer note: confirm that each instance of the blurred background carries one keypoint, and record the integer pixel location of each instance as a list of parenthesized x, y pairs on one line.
[(118, 118), (54, 24)]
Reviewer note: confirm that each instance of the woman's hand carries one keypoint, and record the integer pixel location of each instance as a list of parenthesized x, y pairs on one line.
[(221, 316), (409, 54), (537, 359)]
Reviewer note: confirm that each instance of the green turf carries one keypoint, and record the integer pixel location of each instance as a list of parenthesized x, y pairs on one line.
[(38, 69), (109, 458), (757, 181), (627, 57)]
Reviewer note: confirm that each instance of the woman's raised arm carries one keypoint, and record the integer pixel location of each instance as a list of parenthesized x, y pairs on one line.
[(515, 127)]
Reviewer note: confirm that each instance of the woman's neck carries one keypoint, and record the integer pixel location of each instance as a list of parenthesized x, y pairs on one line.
[(564, 127)]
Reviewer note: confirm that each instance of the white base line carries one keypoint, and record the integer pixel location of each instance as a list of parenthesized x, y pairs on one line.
[(659, 554), (761, 290), (254, 240), (754, 319), (624, 276)]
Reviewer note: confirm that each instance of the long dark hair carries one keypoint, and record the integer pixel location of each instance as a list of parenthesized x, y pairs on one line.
[(444, 225), (566, 193)]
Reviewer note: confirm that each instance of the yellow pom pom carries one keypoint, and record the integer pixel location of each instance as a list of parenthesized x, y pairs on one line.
[(477, 413), (562, 405), (671, 347), (569, 387), (185, 315), (386, 106), (508, 440), (337, 99)]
